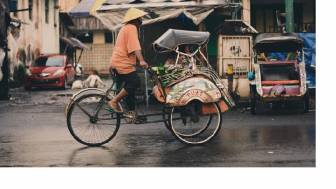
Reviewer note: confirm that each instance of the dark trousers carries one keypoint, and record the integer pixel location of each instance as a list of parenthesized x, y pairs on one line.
[(132, 82)]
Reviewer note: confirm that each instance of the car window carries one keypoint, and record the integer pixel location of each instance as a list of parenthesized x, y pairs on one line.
[(48, 62)]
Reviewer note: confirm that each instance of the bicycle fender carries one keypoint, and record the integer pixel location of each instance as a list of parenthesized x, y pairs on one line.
[(193, 89), (76, 95)]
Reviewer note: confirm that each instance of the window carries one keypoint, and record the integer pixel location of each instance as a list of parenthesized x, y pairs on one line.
[(48, 62), (46, 11), (84, 38), (30, 4), (108, 37)]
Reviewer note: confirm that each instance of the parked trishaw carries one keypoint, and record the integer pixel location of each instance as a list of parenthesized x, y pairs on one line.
[(193, 98), (278, 77)]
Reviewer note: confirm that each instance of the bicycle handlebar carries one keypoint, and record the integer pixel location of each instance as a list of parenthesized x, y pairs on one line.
[(150, 70)]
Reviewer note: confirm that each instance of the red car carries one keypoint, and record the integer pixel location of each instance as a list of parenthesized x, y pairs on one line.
[(49, 71)]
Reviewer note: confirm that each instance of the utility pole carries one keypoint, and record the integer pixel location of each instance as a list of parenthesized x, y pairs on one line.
[(289, 16), (4, 22)]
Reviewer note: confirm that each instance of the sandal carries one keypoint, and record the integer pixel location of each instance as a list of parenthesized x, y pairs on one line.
[(113, 110)]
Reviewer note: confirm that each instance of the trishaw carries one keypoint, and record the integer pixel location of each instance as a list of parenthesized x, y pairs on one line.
[(278, 78), (193, 99)]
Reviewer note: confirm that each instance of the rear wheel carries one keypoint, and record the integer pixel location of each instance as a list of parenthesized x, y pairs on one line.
[(190, 126), (165, 116), (253, 100), (89, 127), (305, 101)]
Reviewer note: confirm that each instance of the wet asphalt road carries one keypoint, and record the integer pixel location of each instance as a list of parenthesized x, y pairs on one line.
[(34, 134)]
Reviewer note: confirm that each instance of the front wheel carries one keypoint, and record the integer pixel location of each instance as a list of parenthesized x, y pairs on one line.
[(88, 121), (190, 126), (65, 85)]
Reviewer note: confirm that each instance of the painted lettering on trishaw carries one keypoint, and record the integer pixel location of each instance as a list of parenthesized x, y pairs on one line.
[(194, 93)]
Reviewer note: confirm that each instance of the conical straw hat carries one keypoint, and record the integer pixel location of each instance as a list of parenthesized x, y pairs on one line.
[(132, 14)]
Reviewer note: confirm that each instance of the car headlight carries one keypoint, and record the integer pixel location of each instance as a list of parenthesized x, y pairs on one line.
[(58, 72), (28, 72)]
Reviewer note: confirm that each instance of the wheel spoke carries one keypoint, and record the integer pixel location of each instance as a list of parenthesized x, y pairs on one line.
[(190, 126), (96, 130)]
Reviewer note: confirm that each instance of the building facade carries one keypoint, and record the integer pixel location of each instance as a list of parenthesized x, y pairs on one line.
[(39, 34)]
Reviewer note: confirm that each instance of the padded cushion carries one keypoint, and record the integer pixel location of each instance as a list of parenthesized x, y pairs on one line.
[(280, 82)]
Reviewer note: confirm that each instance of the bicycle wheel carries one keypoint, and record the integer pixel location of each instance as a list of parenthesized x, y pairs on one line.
[(190, 126), (87, 127), (253, 100), (165, 116), (305, 101)]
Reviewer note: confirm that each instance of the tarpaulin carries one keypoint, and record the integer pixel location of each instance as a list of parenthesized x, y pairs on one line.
[(310, 56), (112, 15), (86, 8)]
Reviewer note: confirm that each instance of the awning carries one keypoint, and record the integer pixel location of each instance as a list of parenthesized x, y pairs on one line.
[(86, 8), (66, 6), (74, 43), (112, 15)]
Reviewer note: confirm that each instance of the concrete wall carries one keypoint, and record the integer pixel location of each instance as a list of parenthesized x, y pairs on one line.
[(96, 59), (99, 37), (246, 14)]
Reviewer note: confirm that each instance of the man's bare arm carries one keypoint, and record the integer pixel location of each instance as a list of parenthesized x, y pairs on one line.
[(142, 62)]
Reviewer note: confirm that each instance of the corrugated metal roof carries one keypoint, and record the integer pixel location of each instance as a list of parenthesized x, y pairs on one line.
[(112, 15)]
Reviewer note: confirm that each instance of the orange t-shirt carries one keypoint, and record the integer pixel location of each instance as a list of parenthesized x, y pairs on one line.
[(123, 58)]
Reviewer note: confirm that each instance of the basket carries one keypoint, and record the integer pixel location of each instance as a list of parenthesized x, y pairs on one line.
[(175, 76)]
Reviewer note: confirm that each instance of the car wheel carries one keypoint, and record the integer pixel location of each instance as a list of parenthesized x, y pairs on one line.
[(65, 85)]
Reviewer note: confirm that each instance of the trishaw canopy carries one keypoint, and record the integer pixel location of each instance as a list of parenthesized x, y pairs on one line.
[(278, 42), (173, 38)]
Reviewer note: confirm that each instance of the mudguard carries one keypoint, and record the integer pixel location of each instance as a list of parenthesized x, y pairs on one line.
[(80, 93), (192, 89)]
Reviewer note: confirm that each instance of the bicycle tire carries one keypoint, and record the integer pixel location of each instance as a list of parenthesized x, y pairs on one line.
[(193, 128), (165, 117), (305, 101), (92, 131), (253, 101)]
